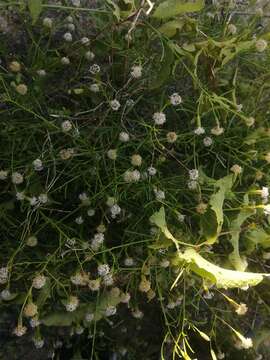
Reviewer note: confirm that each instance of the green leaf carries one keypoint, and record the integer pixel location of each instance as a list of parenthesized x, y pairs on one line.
[(255, 237), (234, 257), (116, 10), (222, 278), (170, 28), (212, 220), (163, 72), (35, 8), (170, 8)]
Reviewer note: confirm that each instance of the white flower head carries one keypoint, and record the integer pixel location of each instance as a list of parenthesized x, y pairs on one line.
[(207, 141), (160, 195), (199, 131), (265, 192), (159, 118), (136, 160), (267, 209), (94, 88), (241, 309), (236, 169), (132, 176), (97, 241), (33, 200), (79, 220), (85, 40), (136, 71), (39, 343), (65, 60), (261, 45), (72, 303), (43, 198), (110, 311), (124, 136), (112, 154), (39, 281), (193, 174), (175, 99), (47, 22), (66, 126), (217, 130), (192, 184), (94, 69), (37, 164), (129, 261), (20, 330), (67, 37), (91, 212), (115, 104), (17, 178), (3, 174), (103, 269), (89, 55), (152, 171), (41, 72), (115, 210)]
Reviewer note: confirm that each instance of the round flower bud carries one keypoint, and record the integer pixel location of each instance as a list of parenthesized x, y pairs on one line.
[(32, 241), (21, 89), (15, 66), (30, 309), (136, 160)]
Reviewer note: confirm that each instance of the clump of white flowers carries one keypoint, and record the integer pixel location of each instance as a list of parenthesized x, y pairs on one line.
[(39, 281), (241, 309), (66, 126), (175, 99), (136, 71), (32, 241), (159, 194), (89, 55), (94, 88), (199, 131), (72, 303), (207, 141), (171, 137), (19, 330), (97, 241), (66, 154), (47, 22), (159, 118), (151, 171), (136, 160), (261, 45), (124, 136), (236, 169), (132, 176), (115, 104), (217, 130), (37, 164), (3, 174), (112, 154), (115, 210), (68, 37), (193, 174), (17, 178), (94, 69), (65, 60), (103, 269)]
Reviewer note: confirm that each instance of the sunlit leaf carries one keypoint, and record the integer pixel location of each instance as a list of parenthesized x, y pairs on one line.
[(222, 278), (170, 8)]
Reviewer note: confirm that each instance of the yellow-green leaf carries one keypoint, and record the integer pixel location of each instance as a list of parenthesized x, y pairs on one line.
[(170, 8), (35, 8), (222, 278), (170, 28)]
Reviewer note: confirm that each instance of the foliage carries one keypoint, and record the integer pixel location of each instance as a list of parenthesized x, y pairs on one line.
[(134, 174)]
